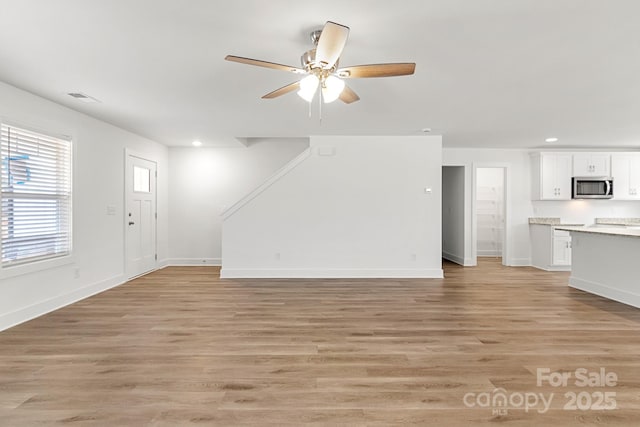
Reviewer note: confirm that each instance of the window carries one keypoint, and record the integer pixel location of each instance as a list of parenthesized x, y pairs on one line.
[(36, 196), (141, 180)]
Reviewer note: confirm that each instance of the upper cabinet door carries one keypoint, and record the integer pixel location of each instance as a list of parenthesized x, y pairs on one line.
[(625, 169), (563, 176), (552, 176), (591, 164), (548, 186), (601, 163)]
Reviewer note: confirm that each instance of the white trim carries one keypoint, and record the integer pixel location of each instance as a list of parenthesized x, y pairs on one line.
[(490, 253), (453, 258), (470, 262), (38, 309), (346, 273), (605, 291), (183, 262), (35, 266), (523, 262), (268, 183)]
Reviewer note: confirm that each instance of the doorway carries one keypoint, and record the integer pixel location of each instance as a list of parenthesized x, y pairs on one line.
[(453, 213), (490, 212), (140, 215)]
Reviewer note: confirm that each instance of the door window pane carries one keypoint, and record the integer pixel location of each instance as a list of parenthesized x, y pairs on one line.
[(141, 180)]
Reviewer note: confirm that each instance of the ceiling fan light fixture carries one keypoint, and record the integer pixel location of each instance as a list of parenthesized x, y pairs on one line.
[(332, 87), (308, 87)]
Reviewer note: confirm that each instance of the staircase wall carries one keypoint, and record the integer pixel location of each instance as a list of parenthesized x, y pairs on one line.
[(355, 206)]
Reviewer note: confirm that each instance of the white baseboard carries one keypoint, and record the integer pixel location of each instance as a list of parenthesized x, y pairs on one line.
[(520, 262), (243, 273), (605, 291), (181, 262), (22, 315), (489, 253), (453, 258), (552, 267)]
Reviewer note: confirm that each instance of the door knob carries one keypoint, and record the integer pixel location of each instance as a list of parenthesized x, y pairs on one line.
[(131, 222)]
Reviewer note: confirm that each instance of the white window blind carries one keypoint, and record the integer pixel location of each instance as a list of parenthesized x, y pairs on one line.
[(36, 196)]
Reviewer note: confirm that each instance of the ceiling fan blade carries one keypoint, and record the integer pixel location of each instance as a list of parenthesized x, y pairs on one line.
[(348, 95), (377, 70), (259, 63), (282, 91), (331, 43)]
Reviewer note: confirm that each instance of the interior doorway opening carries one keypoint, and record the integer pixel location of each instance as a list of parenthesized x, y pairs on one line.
[(490, 212), (453, 214)]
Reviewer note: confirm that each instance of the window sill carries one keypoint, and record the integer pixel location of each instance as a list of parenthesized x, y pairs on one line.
[(34, 267)]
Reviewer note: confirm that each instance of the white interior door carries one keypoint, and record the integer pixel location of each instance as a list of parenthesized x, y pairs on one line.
[(140, 216)]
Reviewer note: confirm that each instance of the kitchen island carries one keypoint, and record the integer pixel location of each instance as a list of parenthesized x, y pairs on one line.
[(606, 262)]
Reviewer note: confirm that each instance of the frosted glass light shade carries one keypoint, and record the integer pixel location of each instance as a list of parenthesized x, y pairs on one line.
[(332, 88), (308, 87)]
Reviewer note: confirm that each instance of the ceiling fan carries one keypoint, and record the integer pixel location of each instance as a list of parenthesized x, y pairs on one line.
[(320, 65)]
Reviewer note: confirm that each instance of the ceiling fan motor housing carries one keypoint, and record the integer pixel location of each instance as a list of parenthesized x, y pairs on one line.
[(309, 63), (315, 36)]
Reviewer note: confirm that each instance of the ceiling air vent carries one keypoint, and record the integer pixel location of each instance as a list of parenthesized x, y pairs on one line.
[(82, 97)]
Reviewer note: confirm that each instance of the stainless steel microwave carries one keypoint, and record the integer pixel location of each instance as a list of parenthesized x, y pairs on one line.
[(592, 187)]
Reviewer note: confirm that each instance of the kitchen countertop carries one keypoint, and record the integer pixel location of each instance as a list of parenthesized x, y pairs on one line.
[(618, 221), (544, 221), (613, 231), (554, 222)]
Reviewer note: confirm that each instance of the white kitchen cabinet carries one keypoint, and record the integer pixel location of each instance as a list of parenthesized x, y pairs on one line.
[(591, 164), (625, 169), (551, 176), (561, 248), (550, 248)]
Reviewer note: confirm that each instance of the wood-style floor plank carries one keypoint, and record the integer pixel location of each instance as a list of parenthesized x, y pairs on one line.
[(181, 346)]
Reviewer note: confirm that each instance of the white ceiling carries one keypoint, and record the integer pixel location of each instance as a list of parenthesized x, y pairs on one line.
[(490, 73)]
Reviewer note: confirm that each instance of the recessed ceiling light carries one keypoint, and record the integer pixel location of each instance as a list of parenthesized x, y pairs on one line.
[(196, 143), (551, 139), (426, 130)]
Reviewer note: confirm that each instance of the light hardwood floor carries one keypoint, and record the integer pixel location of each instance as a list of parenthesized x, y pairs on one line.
[(181, 346)]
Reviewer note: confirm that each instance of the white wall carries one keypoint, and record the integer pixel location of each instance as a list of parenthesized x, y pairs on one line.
[(453, 224), (361, 212), (98, 181), (203, 182)]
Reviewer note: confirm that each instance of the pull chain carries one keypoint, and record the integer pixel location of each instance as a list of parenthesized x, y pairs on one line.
[(320, 106)]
